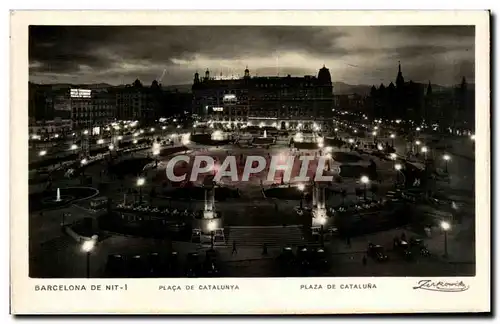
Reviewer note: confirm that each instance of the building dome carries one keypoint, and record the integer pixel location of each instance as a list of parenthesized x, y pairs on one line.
[(324, 76)]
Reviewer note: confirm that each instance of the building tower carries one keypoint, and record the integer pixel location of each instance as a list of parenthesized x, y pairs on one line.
[(196, 78), (247, 73), (207, 75), (400, 81)]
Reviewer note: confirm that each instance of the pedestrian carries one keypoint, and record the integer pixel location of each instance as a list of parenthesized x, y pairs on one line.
[(234, 248)]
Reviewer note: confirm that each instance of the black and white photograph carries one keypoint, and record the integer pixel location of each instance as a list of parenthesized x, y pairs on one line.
[(252, 151)]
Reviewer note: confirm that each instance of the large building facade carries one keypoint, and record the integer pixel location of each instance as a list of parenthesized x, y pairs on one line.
[(272, 101)]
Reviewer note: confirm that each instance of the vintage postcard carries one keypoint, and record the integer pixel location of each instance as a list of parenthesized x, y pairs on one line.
[(250, 162)]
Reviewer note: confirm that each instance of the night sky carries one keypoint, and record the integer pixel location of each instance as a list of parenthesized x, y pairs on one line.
[(354, 55)]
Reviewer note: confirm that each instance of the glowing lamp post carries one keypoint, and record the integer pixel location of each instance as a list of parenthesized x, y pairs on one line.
[(446, 227), (398, 168), (73, 147), (140, 182), (446, 158), (87, 248), (111, 147), (364, 180), (322, 222), (424, 150), (42, 153), (156, 152), (392, 136), (301, 187), (211, 228)]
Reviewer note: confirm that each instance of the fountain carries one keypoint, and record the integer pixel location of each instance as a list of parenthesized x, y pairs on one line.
[(265, 134), (58, 195)]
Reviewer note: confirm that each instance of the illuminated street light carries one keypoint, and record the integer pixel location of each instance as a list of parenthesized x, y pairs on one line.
[(418, 142), (351, 140), (83, 161), (211, 226), (446, 227), (140, 182), (364, 180), (42, 153), (87, 247), (152, 129), (85, 132), (164, 127), (301, 187), (336, 129), (134, 141), (74, 147), (473, 137), (375, 128), (100, 141), (398, 168), (392, 136), (393, 156), (446, 158), (374, 133), (418, 129), (120, 138), (111, 147)]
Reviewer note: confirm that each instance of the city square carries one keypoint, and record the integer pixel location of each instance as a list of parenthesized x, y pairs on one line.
[(253, 176)]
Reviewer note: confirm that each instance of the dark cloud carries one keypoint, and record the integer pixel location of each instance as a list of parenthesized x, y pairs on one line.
[(117, 54)]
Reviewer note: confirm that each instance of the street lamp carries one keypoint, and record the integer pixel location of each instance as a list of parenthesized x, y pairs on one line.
[(418, 129), (211, 228), (111, 147), (424, 150), (398, 168), (42, 153), (87, 247), (365, 180), (322, 222), (73, 147), (473, 137), (351, 140), (83, 161), (393, 156), (100, 141), (446, 227), (140, 182), (446, 158), (392, 136)]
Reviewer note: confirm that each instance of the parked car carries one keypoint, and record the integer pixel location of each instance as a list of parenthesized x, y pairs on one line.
[(403, 248), (418, 245), (377, 252)]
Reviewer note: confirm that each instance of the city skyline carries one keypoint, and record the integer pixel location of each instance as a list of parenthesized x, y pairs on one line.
[(354, 55)]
